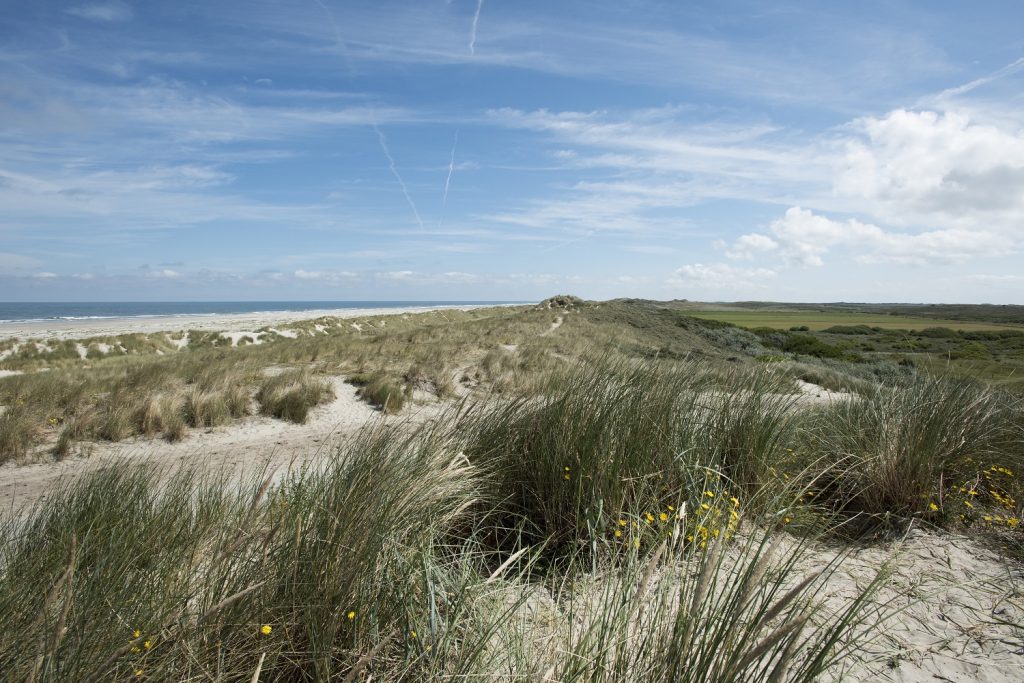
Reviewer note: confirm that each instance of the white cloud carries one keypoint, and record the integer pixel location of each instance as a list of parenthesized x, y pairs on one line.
[(936, 169), (163, 274), (747, 245), (720, 276), (803, 238), (44, 275), (324, 275), (110, 11)]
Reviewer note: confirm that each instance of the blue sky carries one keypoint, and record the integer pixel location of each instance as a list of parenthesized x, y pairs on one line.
[(321, 149)]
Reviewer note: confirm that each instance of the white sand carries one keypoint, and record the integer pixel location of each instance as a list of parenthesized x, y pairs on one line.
[(235, 322), (241, 447)]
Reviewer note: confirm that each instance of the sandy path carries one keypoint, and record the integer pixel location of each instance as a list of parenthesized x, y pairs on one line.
[(554, 326), (240, 448)]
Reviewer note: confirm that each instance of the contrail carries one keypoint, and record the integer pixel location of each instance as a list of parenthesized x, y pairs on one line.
[(448, 180), (451, 168), (394, 171), (337, 37), (1007, 70), (472, 31)]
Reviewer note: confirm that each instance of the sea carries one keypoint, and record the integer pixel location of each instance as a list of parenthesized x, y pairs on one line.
[(99, 310)]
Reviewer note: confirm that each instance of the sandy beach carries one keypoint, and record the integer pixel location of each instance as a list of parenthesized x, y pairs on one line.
[(238, 322)]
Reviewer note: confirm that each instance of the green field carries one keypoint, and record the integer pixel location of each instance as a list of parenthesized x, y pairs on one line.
[(783, 320)]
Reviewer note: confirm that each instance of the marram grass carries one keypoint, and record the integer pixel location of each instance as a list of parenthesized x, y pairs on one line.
[(380, 561)]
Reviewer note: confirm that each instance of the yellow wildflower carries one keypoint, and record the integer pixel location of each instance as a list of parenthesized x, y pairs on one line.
[(351, 616), (622, 522), (618, 534), (709, 494), (663, 517), (136, 633), (266, 629), (933, 507)]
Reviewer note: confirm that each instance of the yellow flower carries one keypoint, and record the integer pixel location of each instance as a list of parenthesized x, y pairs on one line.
[(138, 673), (136, 633), (148, 644), (567, 469), (933, 507), (622, 522), (266, 629), (968, 504), (566, 477), (670, 508), (709, 494), (705, 506), (618, 534), (735, 501), (351, 616), (787, 520), (636, 543), (663, 517), (412, 634), (648, 517)]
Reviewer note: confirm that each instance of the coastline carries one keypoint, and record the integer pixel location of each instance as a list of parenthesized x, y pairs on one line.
[(221, 322)]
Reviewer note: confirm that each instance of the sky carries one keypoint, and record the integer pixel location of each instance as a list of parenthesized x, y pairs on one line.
[(500, 150)]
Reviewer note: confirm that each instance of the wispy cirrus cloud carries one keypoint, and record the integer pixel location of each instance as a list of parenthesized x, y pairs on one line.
[(108, 11)]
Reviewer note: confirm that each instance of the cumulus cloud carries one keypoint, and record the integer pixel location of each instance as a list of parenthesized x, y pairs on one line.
[(747, 245), (111, 11), (803, 238), (720, 276), (936, 169)]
